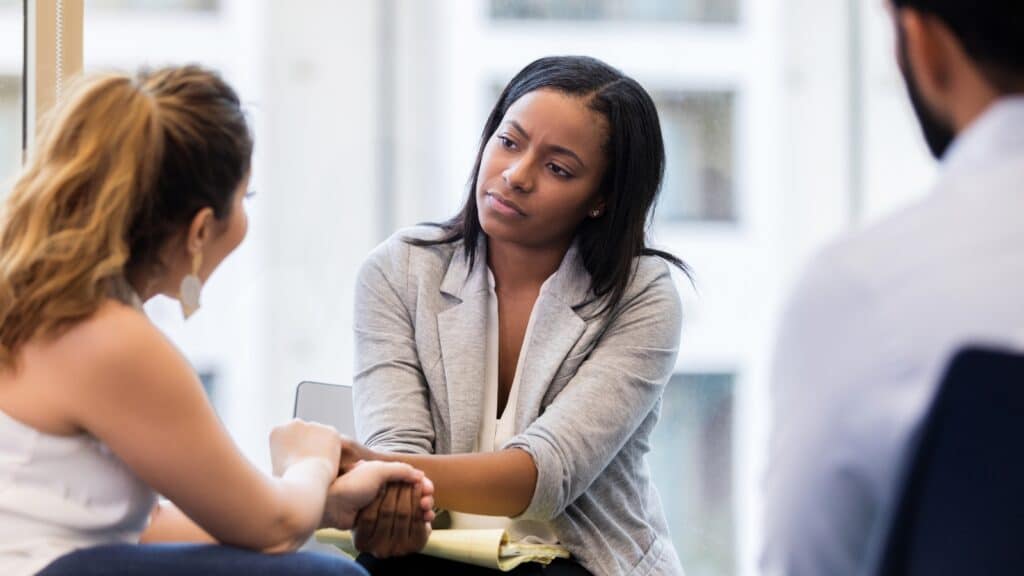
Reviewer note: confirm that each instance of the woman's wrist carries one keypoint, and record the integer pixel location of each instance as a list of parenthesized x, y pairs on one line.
[(302, 489), (353, 452), (317, 470)]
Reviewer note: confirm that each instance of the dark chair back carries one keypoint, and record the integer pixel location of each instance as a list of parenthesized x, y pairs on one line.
[(961, 508)]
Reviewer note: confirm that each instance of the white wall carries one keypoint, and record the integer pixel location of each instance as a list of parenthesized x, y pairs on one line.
[(321, 196)]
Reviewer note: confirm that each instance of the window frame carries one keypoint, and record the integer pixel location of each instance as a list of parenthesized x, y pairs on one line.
[(52, 58)]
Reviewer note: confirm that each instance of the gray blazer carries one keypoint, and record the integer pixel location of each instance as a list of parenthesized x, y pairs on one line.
[(590, 390)]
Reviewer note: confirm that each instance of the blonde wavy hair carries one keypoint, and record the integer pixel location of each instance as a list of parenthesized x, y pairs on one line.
[(119, 169)]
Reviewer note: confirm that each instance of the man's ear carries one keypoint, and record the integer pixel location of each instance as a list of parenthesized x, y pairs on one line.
[(929, 53), (200, 231)]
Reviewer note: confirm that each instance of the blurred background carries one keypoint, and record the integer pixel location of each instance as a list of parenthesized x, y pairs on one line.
[(786, 126)]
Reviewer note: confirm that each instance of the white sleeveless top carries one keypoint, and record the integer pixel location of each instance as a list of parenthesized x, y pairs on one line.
[(62, 493), (495, 432)]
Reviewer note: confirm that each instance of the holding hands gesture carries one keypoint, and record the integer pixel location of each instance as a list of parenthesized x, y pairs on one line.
[(365, 484), (392, 516), (388, 504)]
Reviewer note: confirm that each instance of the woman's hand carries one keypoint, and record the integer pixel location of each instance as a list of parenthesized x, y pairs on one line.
[(352, 453), (397, 522), (298, 440), (365, 482)]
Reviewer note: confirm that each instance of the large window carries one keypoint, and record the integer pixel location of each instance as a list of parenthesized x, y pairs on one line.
[(10, 129), (711, 11), (692, 464), (698, 132), (11, 98)]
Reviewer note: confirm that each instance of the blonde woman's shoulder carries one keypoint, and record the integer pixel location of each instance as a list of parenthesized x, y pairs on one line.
[(83, 368), (115, 328), (116, 346)]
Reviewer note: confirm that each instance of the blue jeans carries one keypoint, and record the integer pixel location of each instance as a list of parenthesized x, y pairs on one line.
[(205, 559)]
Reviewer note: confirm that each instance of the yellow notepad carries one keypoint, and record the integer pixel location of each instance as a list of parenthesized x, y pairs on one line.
[(487, 548)]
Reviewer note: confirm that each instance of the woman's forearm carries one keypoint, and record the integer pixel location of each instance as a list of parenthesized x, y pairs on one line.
[(294, 504), (302, 494), (492, 483)]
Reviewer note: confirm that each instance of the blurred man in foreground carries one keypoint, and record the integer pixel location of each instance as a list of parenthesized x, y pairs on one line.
[(874, 319)]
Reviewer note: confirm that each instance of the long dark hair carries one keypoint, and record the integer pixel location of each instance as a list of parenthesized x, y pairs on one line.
[(608, 246)]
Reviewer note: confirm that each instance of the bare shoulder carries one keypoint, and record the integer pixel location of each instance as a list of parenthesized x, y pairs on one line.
[(115, 329), (115, 356), (115, 344)]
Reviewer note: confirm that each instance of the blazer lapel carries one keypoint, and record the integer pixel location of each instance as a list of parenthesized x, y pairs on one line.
[(555, 330), (462, 332)]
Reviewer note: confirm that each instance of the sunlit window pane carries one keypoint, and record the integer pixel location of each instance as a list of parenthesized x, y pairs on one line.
[(11, 101), (691, 461), (10, 130), (210, 380), (699, 176), (711, 11)]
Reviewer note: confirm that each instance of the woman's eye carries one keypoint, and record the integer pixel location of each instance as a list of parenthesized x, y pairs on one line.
[(559, 171), (507, 142)]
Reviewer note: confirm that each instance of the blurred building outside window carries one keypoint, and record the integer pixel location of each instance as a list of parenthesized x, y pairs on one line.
[(692, 464), (698, 129), (10, 130), (11, 97), (705, 11)]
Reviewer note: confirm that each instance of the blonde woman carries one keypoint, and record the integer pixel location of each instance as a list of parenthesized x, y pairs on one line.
[(136, 189)]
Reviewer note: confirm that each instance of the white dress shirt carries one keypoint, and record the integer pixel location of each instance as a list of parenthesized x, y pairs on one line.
[(865, 340)]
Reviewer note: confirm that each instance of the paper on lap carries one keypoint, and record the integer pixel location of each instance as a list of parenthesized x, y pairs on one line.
[(487, 548)]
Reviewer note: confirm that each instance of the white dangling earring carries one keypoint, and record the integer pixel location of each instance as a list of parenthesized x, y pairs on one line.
[(191, 285), (595, 212)]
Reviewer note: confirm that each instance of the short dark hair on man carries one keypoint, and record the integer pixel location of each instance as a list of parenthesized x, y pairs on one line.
[(991, 32)]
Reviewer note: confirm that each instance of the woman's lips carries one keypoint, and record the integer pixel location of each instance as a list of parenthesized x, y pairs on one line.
[(503, 206)]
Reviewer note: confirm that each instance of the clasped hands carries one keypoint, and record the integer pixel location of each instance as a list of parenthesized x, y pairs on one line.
[(388, 505)]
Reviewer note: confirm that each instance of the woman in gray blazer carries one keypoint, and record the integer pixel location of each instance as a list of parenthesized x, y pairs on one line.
[(518, 352)]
